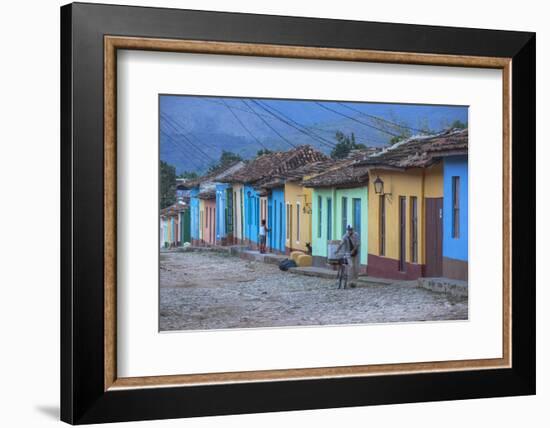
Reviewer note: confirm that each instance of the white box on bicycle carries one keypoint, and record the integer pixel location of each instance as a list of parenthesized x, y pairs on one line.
[(332, 251)]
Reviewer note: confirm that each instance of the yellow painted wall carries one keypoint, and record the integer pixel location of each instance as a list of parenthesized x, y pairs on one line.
[(296, 194), (419, 182), (433, 183)]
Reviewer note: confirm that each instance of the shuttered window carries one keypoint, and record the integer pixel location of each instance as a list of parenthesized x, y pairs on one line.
[(344, 214), (297, 222), (456, 207), (414, 229), (320, 216), (382, 225), (329, 218)]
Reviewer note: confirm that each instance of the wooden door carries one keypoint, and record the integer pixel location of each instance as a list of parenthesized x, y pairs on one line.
[(213, 227), (402, 232), (434, 237)]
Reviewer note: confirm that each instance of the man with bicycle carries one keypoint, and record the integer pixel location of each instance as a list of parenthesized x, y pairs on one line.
[(350, 243)]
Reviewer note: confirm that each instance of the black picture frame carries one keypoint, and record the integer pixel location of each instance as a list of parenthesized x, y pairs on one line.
[(83, 399)]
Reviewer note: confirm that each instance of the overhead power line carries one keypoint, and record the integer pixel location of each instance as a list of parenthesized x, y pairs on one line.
[(183, 130), (183, 149), (356, 120), (243, 125), (293, 124), (333, 132), (267, 124), (389, 122), (179, 131)]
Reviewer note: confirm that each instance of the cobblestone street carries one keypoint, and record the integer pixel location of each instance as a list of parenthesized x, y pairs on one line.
[(210, 290)]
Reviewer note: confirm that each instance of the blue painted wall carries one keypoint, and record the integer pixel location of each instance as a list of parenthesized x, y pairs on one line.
[(252, 213), (455, 248), (221, 205), (277, 219), (195, 209)]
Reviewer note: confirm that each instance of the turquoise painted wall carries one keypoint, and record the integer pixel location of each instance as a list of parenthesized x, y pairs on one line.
[(322, 198), (319, 229), (362, 222)]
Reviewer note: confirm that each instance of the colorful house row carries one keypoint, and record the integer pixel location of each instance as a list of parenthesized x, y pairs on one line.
[(289, 207), (262, 190), (175, 225), (408, 203), (210, 205)]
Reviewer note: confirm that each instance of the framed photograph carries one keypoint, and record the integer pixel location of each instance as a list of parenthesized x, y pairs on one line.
[(266, 213)]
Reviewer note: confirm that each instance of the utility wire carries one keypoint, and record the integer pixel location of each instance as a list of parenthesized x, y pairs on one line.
[(188, 140), (267, 124), (233, 107), (181, 129), (356, 120), (243, 125), (293, 124), (183, 150), (389, 122), (308, 128), (333, 131)]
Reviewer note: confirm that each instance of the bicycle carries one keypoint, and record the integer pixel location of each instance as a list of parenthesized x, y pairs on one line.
[(342, 275)]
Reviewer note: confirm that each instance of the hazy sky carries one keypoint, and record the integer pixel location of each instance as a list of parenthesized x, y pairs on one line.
[(195, 129)]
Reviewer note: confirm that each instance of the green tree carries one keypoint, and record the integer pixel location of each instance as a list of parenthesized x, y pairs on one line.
[(346, 143), (458, 124), (190, 175), (167, 184), (226, 159)]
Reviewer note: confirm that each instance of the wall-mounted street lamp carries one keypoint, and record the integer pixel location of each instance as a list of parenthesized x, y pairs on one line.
[(306, 206), (378, 186)]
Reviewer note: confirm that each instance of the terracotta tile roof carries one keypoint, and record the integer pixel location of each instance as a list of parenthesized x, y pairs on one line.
[(343, 173), (272, 164), (218, 173), (419, 152), (294, 175), (173, 210), (207, 194)]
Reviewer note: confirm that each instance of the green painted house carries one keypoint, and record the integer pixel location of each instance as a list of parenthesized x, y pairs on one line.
[(339, 198)]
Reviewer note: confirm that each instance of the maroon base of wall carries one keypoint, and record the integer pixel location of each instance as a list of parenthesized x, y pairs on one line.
[(455, 269), (384, 267)]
